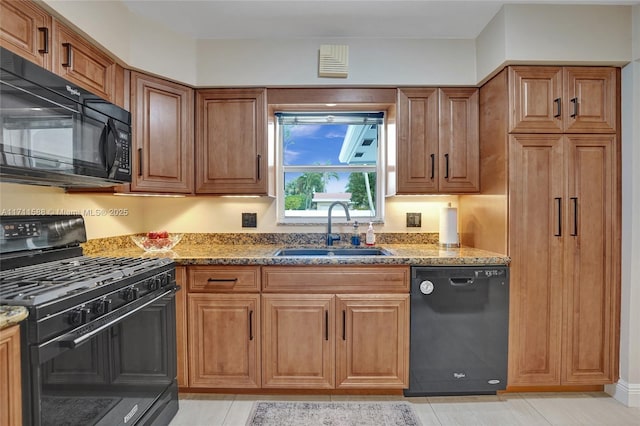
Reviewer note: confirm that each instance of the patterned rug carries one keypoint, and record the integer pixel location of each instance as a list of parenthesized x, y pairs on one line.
[(268, 413)]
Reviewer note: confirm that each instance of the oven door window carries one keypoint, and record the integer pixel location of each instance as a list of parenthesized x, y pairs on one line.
[(45, 131)]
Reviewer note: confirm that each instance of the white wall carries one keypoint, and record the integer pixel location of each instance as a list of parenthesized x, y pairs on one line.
[(105, 215), (627, 390), (372, 62), (555, 34)]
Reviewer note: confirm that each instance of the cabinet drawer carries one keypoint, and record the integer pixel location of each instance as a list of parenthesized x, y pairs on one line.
[(224, 279), (332, 279)]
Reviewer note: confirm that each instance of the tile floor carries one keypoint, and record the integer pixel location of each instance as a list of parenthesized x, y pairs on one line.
[(593, 409)]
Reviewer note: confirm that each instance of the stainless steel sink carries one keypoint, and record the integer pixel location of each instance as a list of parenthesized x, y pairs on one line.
[(329, 251)]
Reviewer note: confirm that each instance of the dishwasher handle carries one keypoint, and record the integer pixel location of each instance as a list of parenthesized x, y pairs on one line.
[(461, 282)]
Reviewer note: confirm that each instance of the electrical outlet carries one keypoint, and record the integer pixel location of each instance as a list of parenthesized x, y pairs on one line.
[(414, 220), (249, 220)]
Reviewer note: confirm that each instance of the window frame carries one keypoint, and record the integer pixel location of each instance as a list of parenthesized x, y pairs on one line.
[(338, 214)]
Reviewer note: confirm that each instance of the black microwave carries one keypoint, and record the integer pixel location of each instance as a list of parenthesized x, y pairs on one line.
[(55, 133)]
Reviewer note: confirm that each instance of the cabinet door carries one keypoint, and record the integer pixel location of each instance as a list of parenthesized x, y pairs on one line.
[(536, 210), (535, 99), (77, 60), (417, 143), (224, 340), (231, 141), (10, 377), (299, 341), (163, 152), (24, 29), (592, 261), (459, 148), (181, 327), (372, 333), (591, 96)]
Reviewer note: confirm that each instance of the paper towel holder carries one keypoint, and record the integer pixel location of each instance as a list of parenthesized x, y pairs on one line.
[(448, 237)]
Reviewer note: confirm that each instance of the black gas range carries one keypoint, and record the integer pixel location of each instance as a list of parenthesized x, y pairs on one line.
[(99, 344)]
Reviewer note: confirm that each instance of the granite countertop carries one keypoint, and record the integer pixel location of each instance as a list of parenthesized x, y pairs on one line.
[(10, 315), (211, 251)]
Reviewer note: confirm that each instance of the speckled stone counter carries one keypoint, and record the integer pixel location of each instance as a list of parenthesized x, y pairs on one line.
[(197, 249), (10, 315)]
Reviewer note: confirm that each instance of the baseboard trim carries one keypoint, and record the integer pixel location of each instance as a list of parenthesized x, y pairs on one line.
[(626, 393)]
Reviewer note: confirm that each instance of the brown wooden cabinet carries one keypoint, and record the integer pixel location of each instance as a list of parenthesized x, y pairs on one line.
[(314, 336), (563, 99), (162, 117), (25, 29), (564, 302), (182, 339), (10, 377), (224, 327), (298, 341), (373, 343), (80, 62), (437, 146), (558, 198), (231, 141)]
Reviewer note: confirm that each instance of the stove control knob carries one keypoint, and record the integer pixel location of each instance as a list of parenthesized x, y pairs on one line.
[(101, 307), (78, 316), (426, 287), (163, 280), (152, 284), (130, 294)]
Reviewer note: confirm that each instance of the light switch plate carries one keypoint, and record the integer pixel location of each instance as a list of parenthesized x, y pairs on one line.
[(414, 220), (249, 220)]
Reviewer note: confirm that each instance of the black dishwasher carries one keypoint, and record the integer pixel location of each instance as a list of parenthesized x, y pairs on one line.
[(459, 330)]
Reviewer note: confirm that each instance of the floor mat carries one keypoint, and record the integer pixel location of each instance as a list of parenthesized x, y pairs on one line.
[(271, 413)]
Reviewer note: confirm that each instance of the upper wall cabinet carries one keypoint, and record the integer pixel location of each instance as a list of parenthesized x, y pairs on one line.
[(231, 141), (437, 146), (562, 99), (32, 33), (80, 62), (162, 117), (25, 30)]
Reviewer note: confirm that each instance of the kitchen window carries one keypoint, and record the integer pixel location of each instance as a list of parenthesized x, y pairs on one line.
[(325, 157)]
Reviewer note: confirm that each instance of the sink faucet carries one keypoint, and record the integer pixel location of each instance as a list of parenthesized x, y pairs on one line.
[(333, 237)]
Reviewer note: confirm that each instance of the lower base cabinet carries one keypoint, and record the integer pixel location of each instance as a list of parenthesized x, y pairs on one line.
[(224, 340), (10, 382), (372, 349), (326, 341), (298, 341), (287, 327)]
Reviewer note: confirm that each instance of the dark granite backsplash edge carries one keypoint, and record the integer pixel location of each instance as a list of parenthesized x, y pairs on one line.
[(97, 245)]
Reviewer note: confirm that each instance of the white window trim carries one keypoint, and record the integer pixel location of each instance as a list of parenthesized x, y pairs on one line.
[(338, 216)]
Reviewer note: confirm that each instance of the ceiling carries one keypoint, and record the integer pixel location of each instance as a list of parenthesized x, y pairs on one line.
[(273, 19)]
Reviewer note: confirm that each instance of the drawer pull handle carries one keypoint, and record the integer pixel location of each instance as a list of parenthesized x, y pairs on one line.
[(575, 216), (69, 63), (222, 280), (558, 103), (45, 36), (559, 231), (446, 167), (433, 166)]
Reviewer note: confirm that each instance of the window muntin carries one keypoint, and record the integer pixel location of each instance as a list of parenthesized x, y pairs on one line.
[(325, 157)]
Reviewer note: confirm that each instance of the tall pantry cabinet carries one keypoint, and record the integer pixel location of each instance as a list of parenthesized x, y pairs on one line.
[(561, 128)]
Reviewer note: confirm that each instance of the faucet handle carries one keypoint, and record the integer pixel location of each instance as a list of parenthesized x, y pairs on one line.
[(331, 238)]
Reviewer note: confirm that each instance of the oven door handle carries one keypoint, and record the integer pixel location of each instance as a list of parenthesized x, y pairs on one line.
[(71, 343)]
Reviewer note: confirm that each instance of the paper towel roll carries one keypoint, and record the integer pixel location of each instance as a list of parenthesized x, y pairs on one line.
[(449, 226)]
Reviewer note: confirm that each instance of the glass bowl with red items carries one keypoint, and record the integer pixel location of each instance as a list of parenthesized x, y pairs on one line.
[(157, 241)]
